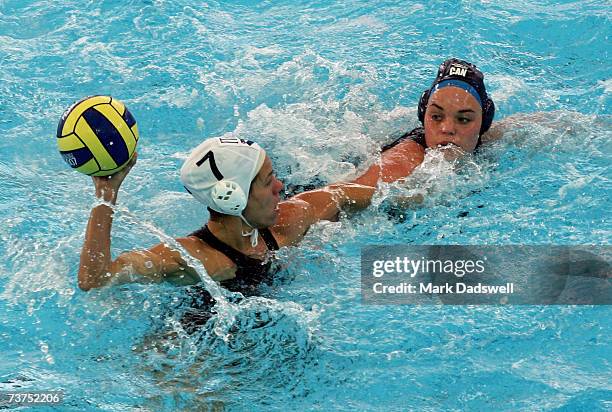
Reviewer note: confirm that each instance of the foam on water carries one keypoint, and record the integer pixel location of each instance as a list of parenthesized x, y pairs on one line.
[(321, 87)]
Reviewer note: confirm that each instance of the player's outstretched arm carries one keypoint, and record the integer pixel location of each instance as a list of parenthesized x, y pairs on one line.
[(298, 213), (395, 163)]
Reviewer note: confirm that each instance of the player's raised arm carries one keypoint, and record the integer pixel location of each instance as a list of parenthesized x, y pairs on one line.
[(97, 268)]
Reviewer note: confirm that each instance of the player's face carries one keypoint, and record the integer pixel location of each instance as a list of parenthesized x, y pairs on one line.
[(453, 116), (264, 197)]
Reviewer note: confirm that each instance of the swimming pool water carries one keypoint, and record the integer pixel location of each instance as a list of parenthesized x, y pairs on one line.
[(320, 85)]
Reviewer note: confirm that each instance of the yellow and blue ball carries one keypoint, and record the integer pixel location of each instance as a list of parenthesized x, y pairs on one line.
[(97, 136)]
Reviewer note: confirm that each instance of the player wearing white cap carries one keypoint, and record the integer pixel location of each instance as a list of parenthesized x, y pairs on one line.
[(235, 180)]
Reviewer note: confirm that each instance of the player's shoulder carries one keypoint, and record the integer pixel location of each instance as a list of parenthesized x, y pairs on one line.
[(217, 265)]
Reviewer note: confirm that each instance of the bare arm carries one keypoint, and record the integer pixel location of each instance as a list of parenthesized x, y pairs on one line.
[(96, 265), (395, 163), (305, 209)]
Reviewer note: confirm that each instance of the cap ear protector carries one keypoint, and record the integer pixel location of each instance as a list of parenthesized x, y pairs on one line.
[(488, 111), (229, 198), (423, 105)]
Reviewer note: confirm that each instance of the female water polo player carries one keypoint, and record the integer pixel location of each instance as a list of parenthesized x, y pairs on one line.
[(456, 113), (236, 181)]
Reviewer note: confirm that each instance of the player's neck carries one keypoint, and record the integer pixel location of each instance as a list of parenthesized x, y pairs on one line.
[(229, 230)]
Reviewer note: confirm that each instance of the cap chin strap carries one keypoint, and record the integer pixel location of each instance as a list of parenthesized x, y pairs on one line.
[(254, 233)]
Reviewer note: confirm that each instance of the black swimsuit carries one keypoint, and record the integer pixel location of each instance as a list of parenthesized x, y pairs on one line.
[(417, 135), (250, 273)]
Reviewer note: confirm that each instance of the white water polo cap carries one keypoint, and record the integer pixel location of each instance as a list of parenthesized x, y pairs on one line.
[(219, 173)]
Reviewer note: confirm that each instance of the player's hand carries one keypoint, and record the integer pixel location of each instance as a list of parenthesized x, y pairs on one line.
[(108, 186)]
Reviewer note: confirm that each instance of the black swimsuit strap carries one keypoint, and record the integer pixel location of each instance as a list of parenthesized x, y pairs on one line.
[(239, 258), (269, 238)]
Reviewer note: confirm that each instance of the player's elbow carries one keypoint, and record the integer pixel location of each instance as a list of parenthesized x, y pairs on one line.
[(84, 283), (88, 280), (85, 287)]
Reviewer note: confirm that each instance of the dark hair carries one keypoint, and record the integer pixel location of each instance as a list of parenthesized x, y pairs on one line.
[(214, 214)]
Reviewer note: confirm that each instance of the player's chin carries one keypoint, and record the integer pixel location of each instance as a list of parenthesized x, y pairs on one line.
[(466, 146)]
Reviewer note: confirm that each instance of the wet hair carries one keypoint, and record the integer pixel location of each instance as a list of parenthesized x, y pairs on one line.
[(459, 73)]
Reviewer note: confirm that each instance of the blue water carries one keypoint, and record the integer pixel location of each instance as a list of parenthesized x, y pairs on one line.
[(320, 85)]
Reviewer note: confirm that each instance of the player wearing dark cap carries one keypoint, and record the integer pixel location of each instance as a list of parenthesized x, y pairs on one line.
[(455, 111)]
